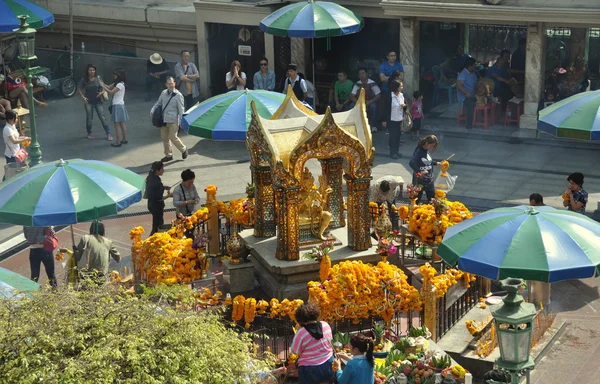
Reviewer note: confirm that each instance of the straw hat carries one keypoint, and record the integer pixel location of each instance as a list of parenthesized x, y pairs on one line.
[(155, 58)]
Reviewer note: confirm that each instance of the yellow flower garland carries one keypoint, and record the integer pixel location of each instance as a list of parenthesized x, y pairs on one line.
[(238, 308), (423, 220), (324, 268), (250, 311)]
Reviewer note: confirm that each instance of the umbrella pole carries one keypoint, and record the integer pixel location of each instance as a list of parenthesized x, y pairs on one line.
[(72, 236), (313, 75)]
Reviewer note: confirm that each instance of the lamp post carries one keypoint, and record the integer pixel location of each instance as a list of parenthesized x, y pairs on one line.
[(25, 37), (513, 321)]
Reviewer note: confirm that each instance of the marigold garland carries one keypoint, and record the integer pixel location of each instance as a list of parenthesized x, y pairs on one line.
[(238, 308), (443, 282), (324, 268), (423, 220), (358, 291), (249, 311)]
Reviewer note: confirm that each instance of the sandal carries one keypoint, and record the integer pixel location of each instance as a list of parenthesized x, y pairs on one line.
[(115, 145), (123, 141), (109, 137), (90, 137)]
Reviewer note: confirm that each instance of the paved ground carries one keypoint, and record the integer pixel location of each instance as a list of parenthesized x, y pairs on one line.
[(501, 166)]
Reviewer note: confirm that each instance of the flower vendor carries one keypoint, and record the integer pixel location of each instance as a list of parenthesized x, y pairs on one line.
[(359, 370), (185, 197), (422, 166), (312, 344)]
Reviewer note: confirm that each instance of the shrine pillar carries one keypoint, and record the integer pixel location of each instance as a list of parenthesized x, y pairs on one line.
[(264, 201), (332, 171), (288, 247), (359, 238)]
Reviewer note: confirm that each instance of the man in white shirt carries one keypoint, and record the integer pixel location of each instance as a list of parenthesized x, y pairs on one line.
[(298, 85), (372, 96), (12, 140)]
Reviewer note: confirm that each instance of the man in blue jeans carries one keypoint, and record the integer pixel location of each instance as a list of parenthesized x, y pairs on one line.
[(465, 84), (37, 254)]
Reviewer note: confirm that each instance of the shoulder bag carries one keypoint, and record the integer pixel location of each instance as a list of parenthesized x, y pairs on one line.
[(406, 121), (157, 116), (21, 155), (185, 199)]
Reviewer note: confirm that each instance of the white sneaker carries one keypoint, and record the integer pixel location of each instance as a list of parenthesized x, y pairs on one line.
[(373, 129)]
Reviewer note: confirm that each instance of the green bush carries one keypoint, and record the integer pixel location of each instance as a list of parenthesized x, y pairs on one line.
[(104, 335)]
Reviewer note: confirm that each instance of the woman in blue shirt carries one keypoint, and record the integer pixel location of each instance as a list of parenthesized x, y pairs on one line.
[(359, 370)]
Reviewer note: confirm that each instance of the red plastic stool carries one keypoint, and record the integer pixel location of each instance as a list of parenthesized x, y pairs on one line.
[(460, 117), (510, 116), (487, 116)]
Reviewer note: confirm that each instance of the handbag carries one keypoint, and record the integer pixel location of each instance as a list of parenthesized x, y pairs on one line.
[(406, 122), (21, 155), (50, 241), (157, 116)]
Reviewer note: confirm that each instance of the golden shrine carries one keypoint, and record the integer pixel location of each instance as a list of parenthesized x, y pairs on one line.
[(289, 204)]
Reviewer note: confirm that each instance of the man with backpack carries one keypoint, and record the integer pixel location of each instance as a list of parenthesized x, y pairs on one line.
[(171, 103), (372, 96)]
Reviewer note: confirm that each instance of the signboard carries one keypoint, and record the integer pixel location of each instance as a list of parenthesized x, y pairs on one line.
[(244, 50)]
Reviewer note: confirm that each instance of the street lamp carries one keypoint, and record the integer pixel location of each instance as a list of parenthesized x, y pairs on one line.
[(25, 37), (514, 326)]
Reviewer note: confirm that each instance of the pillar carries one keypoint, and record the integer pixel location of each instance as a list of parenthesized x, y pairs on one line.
[(300, 52), (332, 171), (270, 49), (203, 68), (430, 310), (288, 247), (359, 238), (409, 53), (534, 73), (265, 202)]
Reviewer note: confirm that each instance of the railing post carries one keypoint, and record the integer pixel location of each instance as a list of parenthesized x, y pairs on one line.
[(430, 309), (485, 286), (212, 227)]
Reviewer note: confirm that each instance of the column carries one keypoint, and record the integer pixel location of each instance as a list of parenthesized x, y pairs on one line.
[(409, 53), (534, 73), (265, 202), (359, 238), (203, 69), (300, 52), (332, 171), (288, 247), (270, 49)]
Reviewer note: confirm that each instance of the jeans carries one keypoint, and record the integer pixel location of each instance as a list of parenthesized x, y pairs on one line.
[(468, 109), (372, 114), (315, 374), (37, 256), (428, 188), (89, 114), (150, 81), (394, 129), (158, 218), (188, 101)]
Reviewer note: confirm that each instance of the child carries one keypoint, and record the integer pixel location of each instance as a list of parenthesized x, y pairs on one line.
[(359, 370), (417, 115), (548, 100), (422, 166)]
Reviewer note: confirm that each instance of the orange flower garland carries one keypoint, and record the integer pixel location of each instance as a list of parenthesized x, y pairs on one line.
[(238, 308), (443, 282), (250, 311), (423, 218), (324, 268), (358, 291)]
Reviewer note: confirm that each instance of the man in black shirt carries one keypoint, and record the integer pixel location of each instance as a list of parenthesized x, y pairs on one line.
[(156, 70)]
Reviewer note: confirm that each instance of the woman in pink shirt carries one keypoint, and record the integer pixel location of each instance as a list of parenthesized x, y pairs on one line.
[(312, 344)]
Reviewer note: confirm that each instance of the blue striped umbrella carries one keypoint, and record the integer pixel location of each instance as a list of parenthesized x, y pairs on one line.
[(576, 117), (227, 116), (11, 9), (68, 192), (532, 243)]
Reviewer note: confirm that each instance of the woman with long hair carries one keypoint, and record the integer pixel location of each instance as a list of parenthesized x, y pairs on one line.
[(118, 110), (422, 166), (235, 79), (359, 370), (93, 254), (155, 193), (89, 89)]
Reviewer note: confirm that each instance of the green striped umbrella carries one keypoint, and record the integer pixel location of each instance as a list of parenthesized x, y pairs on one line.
[(576, 117), (541, 244), (312, 19), (227, 116), (38, 17), (68, 192), (11, 284)]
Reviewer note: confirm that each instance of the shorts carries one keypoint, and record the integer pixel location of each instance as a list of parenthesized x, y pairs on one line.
[(416, 125)]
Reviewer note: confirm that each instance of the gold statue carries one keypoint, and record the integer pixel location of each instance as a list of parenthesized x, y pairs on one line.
[(311, 203)]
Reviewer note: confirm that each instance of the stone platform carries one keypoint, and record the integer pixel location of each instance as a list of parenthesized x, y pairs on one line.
[(287, 279)]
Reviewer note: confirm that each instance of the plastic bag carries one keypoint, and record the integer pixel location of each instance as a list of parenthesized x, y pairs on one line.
[(445, 182)]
